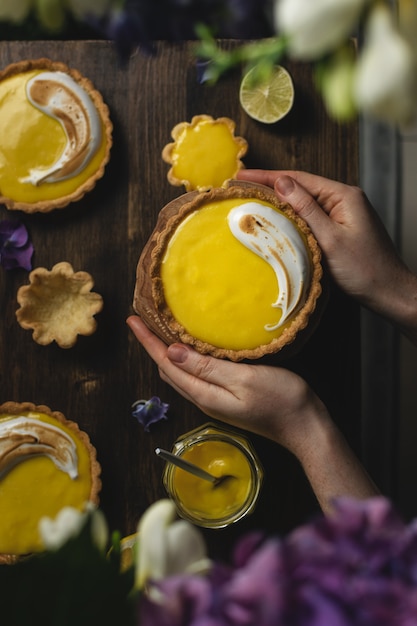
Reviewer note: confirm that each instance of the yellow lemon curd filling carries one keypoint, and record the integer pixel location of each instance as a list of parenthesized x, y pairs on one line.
[(35, 487), (199, 497), (205, 155), (220, 291), (30, 139)]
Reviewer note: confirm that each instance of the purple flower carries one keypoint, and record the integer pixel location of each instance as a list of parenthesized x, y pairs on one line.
[(148, 412), (356, 567), (184, 600), (16, 248)]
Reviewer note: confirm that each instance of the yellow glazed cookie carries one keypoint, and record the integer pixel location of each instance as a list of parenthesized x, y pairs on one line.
[(205, 153), (58, 305), (56, 135), (46, 463), (232, 271)]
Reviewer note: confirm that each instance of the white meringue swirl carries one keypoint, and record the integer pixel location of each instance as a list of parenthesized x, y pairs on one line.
[(273, 237), (59, 96), (24, 437)]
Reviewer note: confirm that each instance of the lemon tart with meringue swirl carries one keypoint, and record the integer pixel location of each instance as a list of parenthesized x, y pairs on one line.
[(46, 463), (56, 135), (232, 271)]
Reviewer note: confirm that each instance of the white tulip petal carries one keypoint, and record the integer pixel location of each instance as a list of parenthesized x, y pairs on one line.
[(99, 529), (186, 548), (315, 27), (152, 556), (168, 547), (385, 83)]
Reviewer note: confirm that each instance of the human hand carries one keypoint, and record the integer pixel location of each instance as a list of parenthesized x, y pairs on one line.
[(358, 251), (269, 401)]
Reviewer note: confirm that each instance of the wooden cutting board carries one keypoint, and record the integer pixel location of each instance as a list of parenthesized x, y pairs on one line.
[(96, 382)]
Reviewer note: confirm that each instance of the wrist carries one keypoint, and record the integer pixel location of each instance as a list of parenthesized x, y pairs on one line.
[(330, 465)]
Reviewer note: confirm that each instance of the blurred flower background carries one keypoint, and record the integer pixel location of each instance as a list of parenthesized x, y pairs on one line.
[(356, 567), (379, 77)]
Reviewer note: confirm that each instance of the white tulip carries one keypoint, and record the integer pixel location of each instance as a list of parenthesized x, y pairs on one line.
[(385, 82), (68, 524), (168, 546), (14, 10), (315, 27)]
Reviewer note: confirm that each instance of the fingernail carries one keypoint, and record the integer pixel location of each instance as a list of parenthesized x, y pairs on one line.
[(177, 353), (284, 185)]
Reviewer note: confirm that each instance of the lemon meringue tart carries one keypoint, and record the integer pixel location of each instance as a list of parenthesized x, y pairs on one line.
[(56, 135), (46, 463), (205, 153), (232, 271)]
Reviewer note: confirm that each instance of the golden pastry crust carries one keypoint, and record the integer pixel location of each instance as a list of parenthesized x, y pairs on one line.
[(149, 301), (58, 305), (177, 132), (16, 408), (44, 206)]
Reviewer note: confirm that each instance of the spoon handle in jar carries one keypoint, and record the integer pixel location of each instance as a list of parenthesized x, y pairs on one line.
[(185, 465)]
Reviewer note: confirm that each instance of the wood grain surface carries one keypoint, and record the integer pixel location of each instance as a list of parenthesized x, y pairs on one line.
[(95, 382)]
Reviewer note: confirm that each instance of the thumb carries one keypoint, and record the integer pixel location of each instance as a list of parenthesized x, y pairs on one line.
[(303, 203)]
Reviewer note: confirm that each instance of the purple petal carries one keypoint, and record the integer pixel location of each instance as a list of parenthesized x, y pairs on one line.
[(14, 258), (246, 546), (17, 234), (183, 599), (16, 249), (149, 412)]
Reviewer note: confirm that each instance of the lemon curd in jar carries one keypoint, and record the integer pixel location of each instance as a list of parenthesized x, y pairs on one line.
[(36, 487), (226, 294), (221, 454), (30, 139)]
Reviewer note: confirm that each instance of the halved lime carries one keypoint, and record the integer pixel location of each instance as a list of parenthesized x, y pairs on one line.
[(268, 99)]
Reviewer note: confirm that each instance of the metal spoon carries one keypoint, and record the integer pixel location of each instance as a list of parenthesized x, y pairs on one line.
[(191, 468)]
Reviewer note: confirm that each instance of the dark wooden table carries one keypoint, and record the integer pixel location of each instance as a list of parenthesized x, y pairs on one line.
[(96, 381)]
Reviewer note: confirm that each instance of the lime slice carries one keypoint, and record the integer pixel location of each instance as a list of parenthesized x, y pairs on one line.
[(267, 100)]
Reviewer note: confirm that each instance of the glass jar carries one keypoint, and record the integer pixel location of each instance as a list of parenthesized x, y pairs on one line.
[(220, 452)]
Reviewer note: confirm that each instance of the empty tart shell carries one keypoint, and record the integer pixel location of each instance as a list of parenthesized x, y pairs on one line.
[(59, 135), (34, 486), (58, 305), (205, 153), (151, 300)]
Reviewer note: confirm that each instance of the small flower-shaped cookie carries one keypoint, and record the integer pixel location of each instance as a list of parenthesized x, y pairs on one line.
[(58, 305)]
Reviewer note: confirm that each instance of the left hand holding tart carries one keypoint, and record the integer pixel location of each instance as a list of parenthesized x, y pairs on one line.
[(56, 135)]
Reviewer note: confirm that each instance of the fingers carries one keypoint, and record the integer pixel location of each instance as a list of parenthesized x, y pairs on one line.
[(303, 203), (197, 377), (327, 192), (207, 368), (262, 177)]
